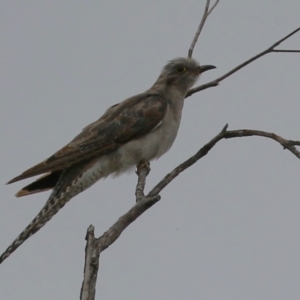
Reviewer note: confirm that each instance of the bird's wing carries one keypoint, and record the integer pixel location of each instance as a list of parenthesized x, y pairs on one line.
[(128, 120)]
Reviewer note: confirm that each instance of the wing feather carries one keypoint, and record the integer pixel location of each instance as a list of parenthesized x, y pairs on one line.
[(130, 119)]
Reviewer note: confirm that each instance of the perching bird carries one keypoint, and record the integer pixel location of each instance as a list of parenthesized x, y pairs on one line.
[(137, 130)]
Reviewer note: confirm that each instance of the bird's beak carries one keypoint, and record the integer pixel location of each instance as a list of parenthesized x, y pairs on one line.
[(206, 68)]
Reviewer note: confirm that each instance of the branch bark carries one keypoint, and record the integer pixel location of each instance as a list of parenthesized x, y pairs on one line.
[(91, 266), (95, 246)]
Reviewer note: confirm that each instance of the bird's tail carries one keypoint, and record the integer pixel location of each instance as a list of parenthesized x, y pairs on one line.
[(70, 183), (47, 212), (55, 202)]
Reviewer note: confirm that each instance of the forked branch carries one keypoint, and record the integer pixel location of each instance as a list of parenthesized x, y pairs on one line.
[(95, 246), (207, 11), (247, 62)]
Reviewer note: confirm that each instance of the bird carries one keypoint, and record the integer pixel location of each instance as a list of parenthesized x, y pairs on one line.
[(135, 131)]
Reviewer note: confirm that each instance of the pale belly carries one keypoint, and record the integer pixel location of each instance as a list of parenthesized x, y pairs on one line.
[(128, 156)]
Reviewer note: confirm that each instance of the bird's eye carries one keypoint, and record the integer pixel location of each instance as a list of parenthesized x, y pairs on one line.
[(180, 69)]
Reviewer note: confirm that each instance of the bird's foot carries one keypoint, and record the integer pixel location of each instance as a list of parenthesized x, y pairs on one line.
[(143, 165)]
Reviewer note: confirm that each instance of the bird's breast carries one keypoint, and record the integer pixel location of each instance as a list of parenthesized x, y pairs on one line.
[(153, 144)]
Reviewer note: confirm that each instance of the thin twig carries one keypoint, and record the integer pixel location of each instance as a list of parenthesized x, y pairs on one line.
[(206, 13), (202, 22), (250, 60), (294, 143), (286, 51), (213, 7), (286, 144)]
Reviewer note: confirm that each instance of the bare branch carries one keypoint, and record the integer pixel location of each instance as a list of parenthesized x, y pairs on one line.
[(294, 143), (224, 134), (153, 196), (91, 266), (206, 13), (213, 7), (197, 34), (142, 171), (95, 246), (286, 51), (286, 144), (202, 152), (250, 60)]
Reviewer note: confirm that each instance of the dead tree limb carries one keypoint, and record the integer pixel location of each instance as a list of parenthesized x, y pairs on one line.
[(95, 246)]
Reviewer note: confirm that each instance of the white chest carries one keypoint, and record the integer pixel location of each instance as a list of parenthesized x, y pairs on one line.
[(151, 146), (155, 143)]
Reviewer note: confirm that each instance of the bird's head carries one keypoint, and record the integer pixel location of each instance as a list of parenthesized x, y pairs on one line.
[(182, 73)]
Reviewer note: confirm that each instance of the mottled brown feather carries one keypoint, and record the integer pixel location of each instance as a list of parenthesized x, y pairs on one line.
[(130, 119)]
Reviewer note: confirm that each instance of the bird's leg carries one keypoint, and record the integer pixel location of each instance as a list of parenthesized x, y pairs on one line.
[(143, 165), (142, 170)]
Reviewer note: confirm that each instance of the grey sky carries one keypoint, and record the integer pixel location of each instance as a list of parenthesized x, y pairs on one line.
[(228, 228)]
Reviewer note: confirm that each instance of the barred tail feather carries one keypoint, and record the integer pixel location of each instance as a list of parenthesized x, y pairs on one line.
[(48, 211), (68, 183)]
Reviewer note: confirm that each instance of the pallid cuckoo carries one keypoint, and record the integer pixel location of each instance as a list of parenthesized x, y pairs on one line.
[(137, 130)]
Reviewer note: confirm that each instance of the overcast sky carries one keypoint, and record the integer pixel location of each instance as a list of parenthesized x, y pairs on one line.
[(228, 228)]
